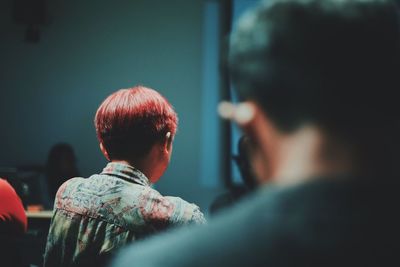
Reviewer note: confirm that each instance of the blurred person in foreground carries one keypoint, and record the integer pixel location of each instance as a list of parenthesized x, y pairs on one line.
[(13, 225), (93, 217), (318, 80)]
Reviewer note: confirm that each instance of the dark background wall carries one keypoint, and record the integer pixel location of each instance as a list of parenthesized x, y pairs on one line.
[(50, 90)]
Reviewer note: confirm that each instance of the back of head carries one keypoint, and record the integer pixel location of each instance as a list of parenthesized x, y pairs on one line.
[(130, 121), (332, 63), (60, 153), (61, 165)]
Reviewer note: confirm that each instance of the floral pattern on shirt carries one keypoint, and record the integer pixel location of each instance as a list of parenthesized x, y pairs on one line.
[(95, 216)]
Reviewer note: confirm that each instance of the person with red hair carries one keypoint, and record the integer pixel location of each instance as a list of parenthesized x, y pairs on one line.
[(93, 217)]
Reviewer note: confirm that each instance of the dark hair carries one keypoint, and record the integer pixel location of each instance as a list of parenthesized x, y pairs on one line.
[(331, 63), (130, 121), (60, 166)]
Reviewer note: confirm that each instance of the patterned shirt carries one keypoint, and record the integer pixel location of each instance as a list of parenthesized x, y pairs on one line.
[(95, 216)]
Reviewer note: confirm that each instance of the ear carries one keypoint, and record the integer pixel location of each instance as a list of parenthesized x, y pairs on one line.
[(104, 151), (167, 143), (258, 126), (263, 137)]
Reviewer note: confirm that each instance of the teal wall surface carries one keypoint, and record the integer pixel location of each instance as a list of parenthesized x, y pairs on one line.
[(50, 90)]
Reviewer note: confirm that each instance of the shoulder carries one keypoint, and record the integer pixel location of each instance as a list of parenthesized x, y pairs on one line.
[(68, 191), (5, 188), (69, 185), (188, 212), (11, 208), (7, 194), (173, 210)]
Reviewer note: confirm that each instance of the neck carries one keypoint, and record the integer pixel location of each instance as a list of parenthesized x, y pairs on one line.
[(136, 164), (309, 154)]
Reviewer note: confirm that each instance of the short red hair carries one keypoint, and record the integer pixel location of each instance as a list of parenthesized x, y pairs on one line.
[(130, 121)]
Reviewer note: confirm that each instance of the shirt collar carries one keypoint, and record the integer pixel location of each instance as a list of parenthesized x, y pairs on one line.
[(126, 172)]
